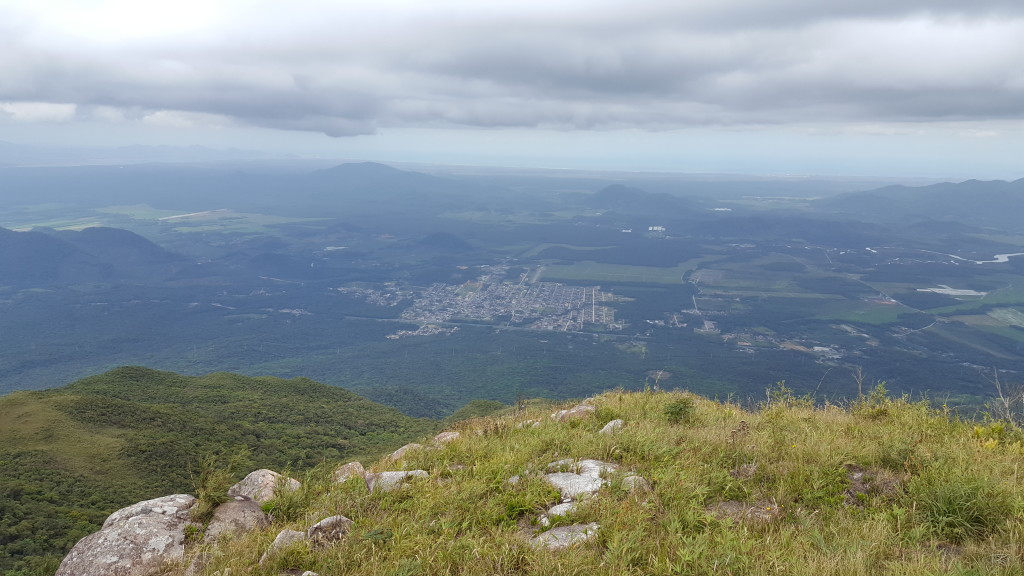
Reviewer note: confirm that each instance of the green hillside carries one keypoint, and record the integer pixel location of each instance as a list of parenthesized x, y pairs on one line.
[(880, 486), (72, 455)]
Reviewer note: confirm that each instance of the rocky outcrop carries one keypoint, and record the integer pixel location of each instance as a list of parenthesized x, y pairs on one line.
[(140, 539), (134, 541), (260, 485)]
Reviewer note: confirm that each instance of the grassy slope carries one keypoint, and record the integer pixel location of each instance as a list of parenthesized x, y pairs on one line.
[(942, 497), (72, 455)]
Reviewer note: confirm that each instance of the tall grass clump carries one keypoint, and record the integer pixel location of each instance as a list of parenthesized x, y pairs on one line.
[(962, 507), (211, 478), (681, 411)]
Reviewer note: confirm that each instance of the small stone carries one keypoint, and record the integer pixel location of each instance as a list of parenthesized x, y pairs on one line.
[(446, 437), (612, 427), (236, 517), (284, 539), (557, 510), (565, 536), (330, 529), (388, 481), (260, 485)]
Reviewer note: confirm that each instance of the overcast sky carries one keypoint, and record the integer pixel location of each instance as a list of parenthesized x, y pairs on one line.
[(860, 87)]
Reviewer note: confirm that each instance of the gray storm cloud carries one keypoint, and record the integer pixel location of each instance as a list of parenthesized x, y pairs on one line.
[(649, 65)]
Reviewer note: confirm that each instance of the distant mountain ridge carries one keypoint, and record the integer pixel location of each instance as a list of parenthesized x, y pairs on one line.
[(993, 203), (629, 200)]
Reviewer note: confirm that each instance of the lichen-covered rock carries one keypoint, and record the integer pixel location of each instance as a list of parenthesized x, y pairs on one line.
[(133, 541), (350, 470), (284, 539), (574, 413), (612, 427), (388, 481), (236, 517), (260, 485), (330, 529), (565, 536)]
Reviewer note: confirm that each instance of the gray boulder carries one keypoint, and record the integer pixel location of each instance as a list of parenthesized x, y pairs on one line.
[(612, 427), (284, 539), (388, 481), (236, 517), (350, 470), (401, 452), (446, 437), (634, 484), (134, 541), (259, 485)]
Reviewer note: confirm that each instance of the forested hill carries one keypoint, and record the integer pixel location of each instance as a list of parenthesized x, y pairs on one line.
[(71, 456)]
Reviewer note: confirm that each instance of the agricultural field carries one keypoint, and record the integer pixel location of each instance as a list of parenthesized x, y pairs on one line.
[(588, 271)]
